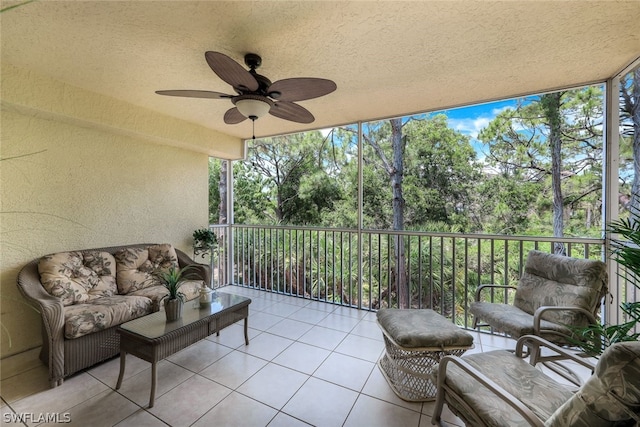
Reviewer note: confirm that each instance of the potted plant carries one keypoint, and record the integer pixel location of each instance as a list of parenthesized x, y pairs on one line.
[(204, 240), (172, 279), (594, 339)]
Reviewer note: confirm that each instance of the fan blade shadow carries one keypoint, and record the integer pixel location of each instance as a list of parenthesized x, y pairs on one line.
[(194, 94)]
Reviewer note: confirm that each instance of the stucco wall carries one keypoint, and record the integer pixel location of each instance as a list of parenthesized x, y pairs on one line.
[(69, 185)]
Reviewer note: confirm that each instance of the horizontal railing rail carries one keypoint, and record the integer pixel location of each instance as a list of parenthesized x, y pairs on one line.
[(363, 269)]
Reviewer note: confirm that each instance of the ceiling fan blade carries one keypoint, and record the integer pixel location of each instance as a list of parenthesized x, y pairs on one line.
[(301, 88), (290, 111), (194, 94), (230, 71), (233, 116)]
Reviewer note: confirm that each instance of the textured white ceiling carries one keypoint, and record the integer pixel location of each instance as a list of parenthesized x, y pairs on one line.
[(387, 58)]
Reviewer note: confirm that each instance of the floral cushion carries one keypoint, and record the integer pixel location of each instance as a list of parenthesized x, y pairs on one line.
[(515, 322), (190, 289), (556, 280), (415, 328), (78, 277), (103, 313), (608, 398), (135, 266), (529, 385)]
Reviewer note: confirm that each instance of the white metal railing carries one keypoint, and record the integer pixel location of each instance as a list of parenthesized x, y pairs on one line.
[(359, 269)]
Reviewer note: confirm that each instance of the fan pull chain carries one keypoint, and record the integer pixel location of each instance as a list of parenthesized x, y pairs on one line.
[(253, 125)]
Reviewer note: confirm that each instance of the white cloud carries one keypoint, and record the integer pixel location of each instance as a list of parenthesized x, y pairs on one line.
[(470, 127)]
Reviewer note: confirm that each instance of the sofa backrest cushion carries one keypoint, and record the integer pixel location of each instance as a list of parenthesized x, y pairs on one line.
[(558, 280), (609, 397), (78, 277), (135, 266)]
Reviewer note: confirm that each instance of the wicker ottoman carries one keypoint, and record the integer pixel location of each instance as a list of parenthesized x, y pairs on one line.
[(415, 341)]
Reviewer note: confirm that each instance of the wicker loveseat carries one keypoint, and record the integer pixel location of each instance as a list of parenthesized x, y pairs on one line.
[(84, 295)]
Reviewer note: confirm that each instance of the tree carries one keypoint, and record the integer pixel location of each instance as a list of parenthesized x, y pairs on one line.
[(296, 186), (554, 140), (551, 114), (217, 191), (441, 173), (630, 120), (250, 195), (393, 168), (423, 161)]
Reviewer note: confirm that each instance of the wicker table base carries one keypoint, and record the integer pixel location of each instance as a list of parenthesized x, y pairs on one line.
[(409, 369), (153, 338)]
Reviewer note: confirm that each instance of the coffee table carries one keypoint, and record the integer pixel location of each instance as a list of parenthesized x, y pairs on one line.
[(153, 338)]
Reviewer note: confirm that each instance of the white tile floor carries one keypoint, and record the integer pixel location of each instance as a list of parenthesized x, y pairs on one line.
[(308, 363)]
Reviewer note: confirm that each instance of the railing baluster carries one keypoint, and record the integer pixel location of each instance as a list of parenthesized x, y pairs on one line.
[(322, 264)]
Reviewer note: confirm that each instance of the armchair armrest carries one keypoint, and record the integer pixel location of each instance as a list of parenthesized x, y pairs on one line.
[(541, 342), (492, 286), (494, 388), (537, 316)]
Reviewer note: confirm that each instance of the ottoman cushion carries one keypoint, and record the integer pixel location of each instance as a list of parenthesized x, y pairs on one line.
[(419, 328)]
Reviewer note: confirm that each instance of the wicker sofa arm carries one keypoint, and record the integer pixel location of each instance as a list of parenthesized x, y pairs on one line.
[(491, 386), (491, 287), (52, 316), (50, 307), (203, 271)]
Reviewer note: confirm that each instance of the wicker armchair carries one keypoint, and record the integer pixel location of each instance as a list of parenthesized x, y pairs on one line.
[(500, 388), (66, 356), (554, 294)]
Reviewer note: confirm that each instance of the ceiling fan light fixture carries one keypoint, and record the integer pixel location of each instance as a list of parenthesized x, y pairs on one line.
[(252, 106)]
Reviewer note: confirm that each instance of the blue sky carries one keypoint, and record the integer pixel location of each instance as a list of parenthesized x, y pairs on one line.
[(471, 120)]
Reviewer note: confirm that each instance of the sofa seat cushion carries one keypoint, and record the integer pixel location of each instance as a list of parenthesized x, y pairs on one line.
[(103, 313), (537, 391), (190, 289), (78, 277), (135, 266), (513, 321)]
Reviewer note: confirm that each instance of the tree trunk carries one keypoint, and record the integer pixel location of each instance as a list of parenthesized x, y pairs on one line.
[(222, 219), (397, 175), (632, 107), (551, 108), (222, 188)]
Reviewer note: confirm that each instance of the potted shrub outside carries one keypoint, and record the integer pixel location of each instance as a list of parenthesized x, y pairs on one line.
[(204, 240), (595, 339)]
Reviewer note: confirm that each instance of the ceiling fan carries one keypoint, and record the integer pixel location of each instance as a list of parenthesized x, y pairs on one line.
[(256, 95)]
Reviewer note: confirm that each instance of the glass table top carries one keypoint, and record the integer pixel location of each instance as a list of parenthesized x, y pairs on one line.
[(156, 325)]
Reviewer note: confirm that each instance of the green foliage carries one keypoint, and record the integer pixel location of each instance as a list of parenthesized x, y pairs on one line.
[(204, 238), (512, 209), (626, 252), (519, 152), (215, 166), (312, 179), (172, 279), (7, 8)]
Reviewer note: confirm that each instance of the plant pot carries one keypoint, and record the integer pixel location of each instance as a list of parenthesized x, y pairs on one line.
[(173, 309)]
